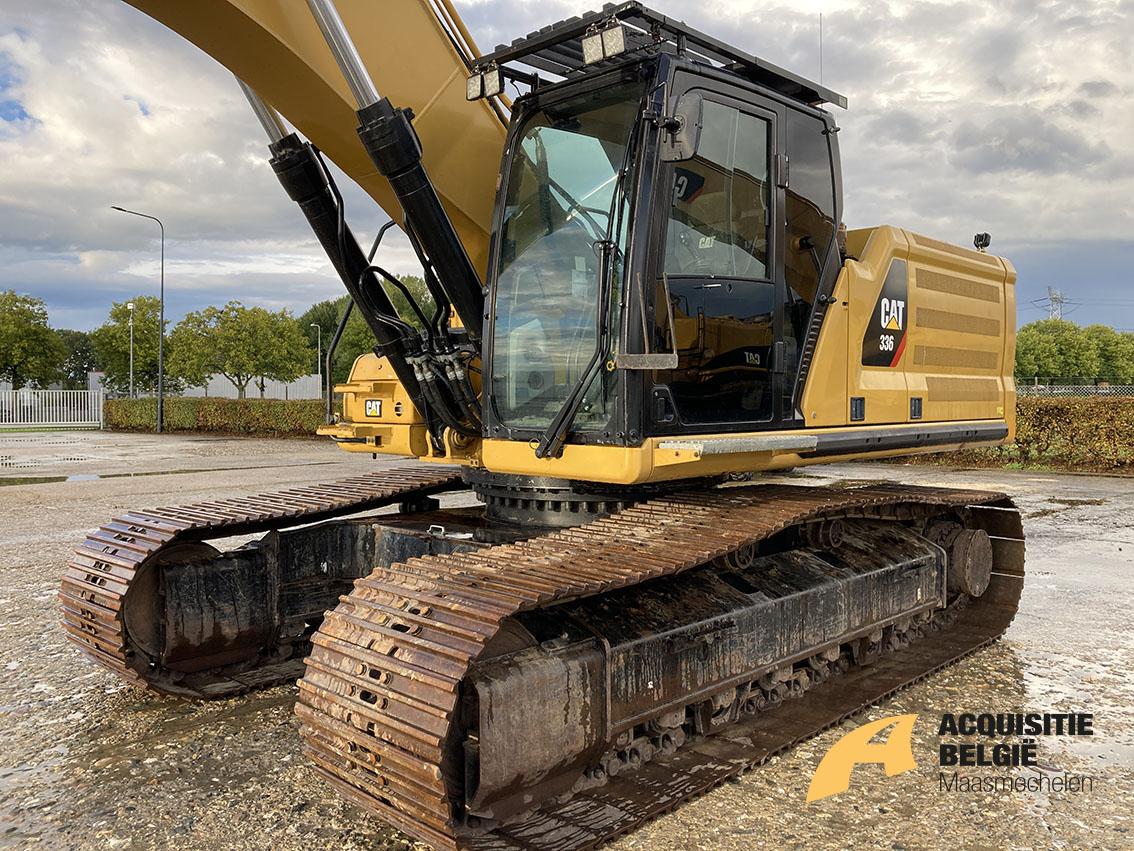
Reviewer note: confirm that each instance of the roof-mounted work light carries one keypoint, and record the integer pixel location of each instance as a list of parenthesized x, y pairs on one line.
[(605, 43), (484, 84)]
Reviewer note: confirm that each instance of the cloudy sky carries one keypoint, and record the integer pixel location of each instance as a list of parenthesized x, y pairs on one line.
[(1014, 117)]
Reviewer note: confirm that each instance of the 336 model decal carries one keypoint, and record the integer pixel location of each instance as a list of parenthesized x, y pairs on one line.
[(885, 337)]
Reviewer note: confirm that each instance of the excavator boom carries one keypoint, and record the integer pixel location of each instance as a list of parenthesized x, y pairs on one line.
[(417, 53)]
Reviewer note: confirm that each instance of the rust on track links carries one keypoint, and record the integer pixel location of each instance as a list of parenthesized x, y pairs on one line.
[(381, 693), (379, 700)]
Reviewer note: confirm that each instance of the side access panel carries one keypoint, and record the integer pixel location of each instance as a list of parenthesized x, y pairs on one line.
[(961, 350), (926, 331)]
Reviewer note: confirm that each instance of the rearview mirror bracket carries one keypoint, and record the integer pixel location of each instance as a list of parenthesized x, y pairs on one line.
[(681, 132)]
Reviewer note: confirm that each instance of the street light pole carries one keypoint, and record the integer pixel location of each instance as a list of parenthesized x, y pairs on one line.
[(319, 354), (161, 320), (130, 307)]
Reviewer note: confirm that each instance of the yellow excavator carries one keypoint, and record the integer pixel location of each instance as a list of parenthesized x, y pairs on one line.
[(642, 298)]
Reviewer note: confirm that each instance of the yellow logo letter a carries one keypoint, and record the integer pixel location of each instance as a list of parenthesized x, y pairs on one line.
[(855, 748)]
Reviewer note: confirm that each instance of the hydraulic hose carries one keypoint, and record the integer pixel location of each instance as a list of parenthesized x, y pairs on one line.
[(393, 145), (304, 178)]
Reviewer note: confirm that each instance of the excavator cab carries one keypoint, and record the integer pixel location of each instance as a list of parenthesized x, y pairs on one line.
[(656, 267), (656, 261), (665, 263)]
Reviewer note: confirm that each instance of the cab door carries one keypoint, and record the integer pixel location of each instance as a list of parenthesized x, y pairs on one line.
[(719, 282)]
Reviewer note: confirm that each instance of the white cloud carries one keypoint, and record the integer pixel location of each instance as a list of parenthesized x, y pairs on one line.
[(1012, 117), (122, 111)]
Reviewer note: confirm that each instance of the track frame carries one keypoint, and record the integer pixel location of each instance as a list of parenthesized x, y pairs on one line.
[(379, 704)]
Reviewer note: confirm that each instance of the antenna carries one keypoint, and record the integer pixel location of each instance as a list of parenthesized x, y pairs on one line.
[(820, 48)]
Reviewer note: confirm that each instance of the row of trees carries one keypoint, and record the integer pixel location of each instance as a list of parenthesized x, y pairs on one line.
[(1061, 350), (247, 345), (250, 345)]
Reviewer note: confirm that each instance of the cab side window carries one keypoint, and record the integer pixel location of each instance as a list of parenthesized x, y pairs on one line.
[(718, 225), (810, 210)]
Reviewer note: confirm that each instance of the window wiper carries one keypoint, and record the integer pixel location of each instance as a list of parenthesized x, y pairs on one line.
[(551, 443), (553, 439)]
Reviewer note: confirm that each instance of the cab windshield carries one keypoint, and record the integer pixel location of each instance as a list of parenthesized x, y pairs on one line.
[(559, 208)]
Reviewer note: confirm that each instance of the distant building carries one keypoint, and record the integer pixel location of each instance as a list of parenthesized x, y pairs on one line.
[(219, 387), (305, 387)]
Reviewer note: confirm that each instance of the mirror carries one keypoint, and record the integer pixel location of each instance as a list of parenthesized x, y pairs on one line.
[(682, 131)]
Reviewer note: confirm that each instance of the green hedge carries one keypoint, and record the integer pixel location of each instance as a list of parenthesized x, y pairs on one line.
[(1093, 433), (275, 417)]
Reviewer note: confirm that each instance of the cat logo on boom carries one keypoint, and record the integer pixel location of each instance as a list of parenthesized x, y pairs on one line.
[(892, 313)]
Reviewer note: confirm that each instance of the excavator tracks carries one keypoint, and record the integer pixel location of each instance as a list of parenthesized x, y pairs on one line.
[(381, 701), (110, 572)]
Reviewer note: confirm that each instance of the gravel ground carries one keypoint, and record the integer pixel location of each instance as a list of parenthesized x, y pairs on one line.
[(88, 763)]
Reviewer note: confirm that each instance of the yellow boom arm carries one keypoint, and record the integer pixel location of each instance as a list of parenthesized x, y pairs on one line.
[(415, 51)]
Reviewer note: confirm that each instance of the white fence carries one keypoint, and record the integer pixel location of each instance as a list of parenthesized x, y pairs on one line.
[(48, 408)]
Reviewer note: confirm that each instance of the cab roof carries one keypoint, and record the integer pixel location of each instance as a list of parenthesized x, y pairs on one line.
[(557, 49)]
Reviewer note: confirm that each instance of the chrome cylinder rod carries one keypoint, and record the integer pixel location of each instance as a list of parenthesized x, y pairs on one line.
[(269, 119), (345, 53)]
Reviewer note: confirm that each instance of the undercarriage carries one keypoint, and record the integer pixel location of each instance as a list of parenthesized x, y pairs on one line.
[(486, 682)]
